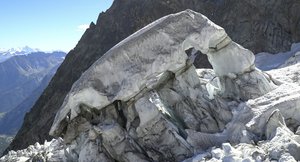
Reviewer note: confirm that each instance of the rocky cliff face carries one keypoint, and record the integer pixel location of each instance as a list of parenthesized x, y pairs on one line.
[(258, 25)]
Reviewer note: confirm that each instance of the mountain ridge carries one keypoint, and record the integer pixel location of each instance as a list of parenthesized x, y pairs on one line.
[(19, 51), (7, 53), (20, 74), (12, 120)]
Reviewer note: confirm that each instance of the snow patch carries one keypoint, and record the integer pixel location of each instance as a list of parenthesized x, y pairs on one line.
[(267, 61)]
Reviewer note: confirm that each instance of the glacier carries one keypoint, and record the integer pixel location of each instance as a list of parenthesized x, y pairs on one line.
[(145, 101)]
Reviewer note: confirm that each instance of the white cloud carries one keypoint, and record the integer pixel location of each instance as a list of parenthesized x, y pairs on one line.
[(82, 27)]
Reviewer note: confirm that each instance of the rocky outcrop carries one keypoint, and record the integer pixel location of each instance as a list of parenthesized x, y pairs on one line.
[(258, 25)]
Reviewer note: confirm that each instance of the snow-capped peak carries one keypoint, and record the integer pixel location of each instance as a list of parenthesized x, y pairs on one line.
[(21, 50), (6, 54), (2, 50)]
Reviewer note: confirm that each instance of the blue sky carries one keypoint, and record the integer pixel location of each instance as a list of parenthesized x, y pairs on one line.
[(47, 25)]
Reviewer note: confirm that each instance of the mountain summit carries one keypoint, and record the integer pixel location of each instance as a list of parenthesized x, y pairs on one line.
[(6, 54), (22, 50)]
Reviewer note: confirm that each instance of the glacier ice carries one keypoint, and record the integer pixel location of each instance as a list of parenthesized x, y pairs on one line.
[(145, 101), (127, 67), (51, 151), (151, 92)]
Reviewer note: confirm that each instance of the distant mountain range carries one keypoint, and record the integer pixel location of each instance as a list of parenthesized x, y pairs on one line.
[(6, 54), (20, 75), (23, 77)]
